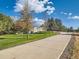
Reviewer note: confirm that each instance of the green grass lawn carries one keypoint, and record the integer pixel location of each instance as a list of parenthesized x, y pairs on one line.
[(10, 40)]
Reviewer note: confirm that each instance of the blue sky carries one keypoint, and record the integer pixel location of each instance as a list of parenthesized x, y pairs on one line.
[(66, 10)]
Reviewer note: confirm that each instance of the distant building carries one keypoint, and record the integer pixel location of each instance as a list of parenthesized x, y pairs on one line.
[(38, 29)]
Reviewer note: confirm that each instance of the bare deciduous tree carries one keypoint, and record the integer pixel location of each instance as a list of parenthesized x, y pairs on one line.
[(26, 17)]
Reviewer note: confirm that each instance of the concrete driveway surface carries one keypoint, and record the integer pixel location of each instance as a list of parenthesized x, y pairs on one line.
[(48, 48)]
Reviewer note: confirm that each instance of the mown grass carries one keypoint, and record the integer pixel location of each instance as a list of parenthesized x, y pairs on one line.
[(10, 40)]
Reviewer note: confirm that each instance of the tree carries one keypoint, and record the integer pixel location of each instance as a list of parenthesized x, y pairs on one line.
[(55, 24), (64, 28), (5, 23), (26, 18), (77, 30), (59, 24), (9, 23), (70, 29), (50, 24)]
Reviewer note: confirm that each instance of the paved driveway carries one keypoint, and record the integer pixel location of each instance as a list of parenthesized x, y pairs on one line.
[(49, 48)]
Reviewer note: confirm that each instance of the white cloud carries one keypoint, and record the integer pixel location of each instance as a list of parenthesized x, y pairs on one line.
[(70, 14), (74, 17), (38, 22), (19, 6), (15, 18), (65, 13), (43, 1), (50, 2), (50, 10), (35, 5)]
